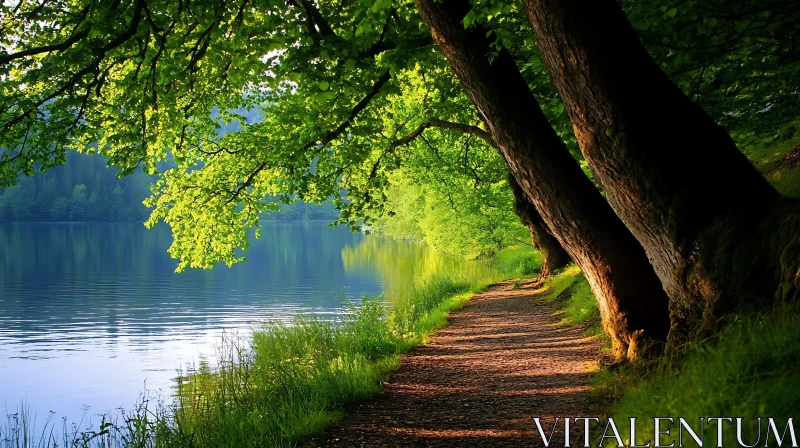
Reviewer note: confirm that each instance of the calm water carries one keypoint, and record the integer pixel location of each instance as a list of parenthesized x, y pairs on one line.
[(89, 313)]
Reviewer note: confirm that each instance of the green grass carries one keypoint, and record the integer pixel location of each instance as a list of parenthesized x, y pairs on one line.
[(290, 381), (750, 369), (518, 261), (573, 296), (766, 154)]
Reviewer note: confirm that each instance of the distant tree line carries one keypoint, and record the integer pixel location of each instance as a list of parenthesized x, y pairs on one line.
[(303, 211), (87, 189)]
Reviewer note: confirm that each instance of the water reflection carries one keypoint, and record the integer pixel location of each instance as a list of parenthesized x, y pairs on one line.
[(401, 263), (88, 312)]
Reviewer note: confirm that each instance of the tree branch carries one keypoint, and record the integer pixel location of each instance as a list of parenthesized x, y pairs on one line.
[(45, 48), (443, 124), (317, 25), (329, 137), (360, 106), (432, 123), (99, 56)]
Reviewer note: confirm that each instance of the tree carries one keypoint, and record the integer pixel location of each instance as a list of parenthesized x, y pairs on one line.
[(20, 200), (452, 194), (631, 302), (78, 210), (58, 211), (553, 255), (457, 174), (151, 81), (320, 73), (717, 233)]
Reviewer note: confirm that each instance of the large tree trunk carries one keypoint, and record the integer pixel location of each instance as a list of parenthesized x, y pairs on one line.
[(715, 231), (630, 298), (553, 255)]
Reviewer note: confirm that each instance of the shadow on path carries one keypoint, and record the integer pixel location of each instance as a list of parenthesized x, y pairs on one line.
[(500, 362)]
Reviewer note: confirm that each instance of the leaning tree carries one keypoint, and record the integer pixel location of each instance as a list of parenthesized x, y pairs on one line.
[(716, 232), (630, 298)]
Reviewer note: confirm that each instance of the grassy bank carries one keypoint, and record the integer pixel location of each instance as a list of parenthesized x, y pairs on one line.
[(292, 380), (572, 295), (750, 369)]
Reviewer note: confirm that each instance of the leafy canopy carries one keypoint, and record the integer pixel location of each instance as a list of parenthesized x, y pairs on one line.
[(349, 93)]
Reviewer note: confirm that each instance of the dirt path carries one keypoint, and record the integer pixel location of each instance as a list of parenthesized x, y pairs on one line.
[(480, 381)]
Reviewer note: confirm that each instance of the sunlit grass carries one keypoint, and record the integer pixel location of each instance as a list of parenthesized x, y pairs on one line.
[(571, 293), (750, 369), (518, 261)]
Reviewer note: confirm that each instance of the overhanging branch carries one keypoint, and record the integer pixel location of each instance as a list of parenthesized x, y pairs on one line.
[(443, 124), (327, 138), (432, 123)]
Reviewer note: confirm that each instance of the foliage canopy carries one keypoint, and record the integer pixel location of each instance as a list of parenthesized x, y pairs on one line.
[(348, 92)]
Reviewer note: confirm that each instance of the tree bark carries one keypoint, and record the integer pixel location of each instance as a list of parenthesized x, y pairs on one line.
[(717, 234), (553, 255), (630, 298)]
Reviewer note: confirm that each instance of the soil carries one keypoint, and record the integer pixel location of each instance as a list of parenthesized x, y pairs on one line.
[(790, 160), (502, 361)]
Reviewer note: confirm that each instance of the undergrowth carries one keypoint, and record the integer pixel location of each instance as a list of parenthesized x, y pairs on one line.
[(750, 369), (573, 296)]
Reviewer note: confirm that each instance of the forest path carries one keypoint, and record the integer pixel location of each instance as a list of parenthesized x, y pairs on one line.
[(500, 362)]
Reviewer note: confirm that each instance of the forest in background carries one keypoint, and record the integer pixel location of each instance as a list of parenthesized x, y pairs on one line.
[(86, 189)]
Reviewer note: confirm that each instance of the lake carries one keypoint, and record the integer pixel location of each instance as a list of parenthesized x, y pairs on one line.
[(91, 314)]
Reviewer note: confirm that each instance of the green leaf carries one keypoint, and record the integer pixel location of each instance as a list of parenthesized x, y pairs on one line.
[(671, 12), (324, 85), (741, 25)]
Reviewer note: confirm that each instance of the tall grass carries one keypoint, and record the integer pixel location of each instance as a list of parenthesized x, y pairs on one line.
[(290, 381), (518, 261), (750, 369), (295, 379), (573, 296)]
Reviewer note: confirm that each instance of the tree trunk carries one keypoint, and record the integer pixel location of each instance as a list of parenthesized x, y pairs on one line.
[(715, 231), (553, 255), (630, 298)]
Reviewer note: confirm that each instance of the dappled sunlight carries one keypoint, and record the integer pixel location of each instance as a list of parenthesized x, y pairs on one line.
[(480, 379)]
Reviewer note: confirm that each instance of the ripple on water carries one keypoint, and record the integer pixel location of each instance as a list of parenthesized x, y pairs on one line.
[(84, 322)]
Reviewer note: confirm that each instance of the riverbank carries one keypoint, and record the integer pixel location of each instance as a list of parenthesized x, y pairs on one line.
[(290, 381), (511, 353), (295, 380)]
